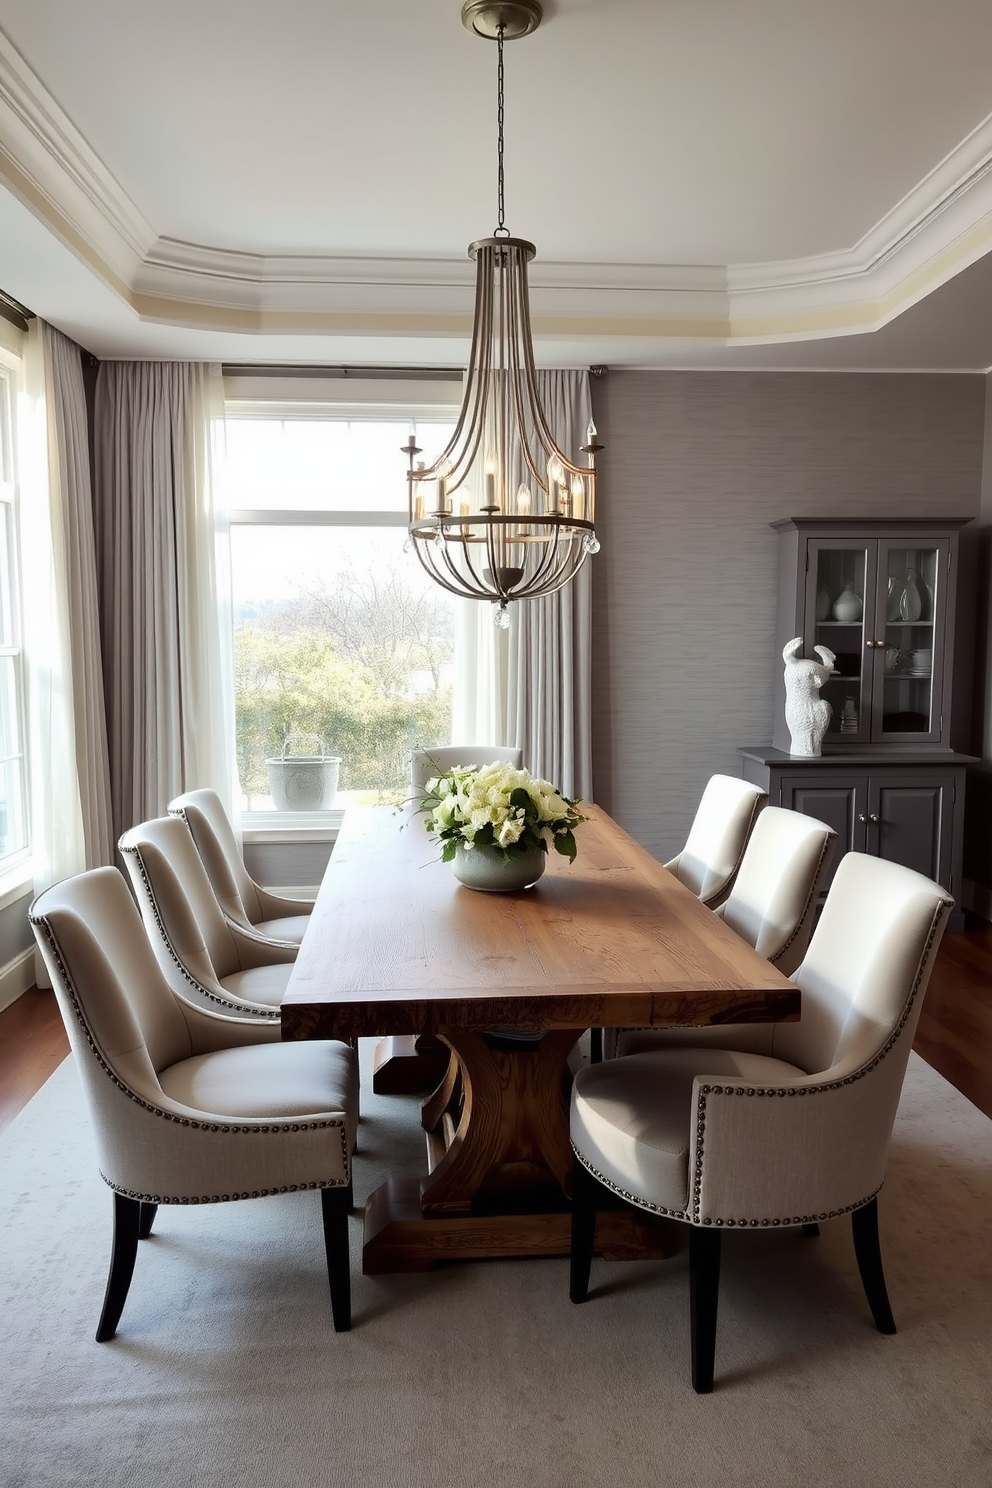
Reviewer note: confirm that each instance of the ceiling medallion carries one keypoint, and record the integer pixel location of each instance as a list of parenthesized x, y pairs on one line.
[(503, 513)]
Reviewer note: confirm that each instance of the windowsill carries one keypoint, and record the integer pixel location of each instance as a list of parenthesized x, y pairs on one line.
[(15, 883), (290, 826)]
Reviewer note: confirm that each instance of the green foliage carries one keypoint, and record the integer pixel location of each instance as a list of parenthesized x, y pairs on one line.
[(297, 683)]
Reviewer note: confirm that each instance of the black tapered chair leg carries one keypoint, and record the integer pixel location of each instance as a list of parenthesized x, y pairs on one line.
[(704, 1293), (127, 1227), (595, 1046), (146, 1219), (811, 1229), (864, 1224), (334, 1206), (585, 1190)]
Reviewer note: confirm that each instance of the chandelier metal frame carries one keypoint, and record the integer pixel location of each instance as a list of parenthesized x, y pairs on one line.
[(502, 514)]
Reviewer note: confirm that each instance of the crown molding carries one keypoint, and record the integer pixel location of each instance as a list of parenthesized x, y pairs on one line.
[(940, 227), (51, 167)]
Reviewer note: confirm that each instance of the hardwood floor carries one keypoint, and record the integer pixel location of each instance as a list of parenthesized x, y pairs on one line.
[(955, 1028), (32, 1046), (955, 1032)]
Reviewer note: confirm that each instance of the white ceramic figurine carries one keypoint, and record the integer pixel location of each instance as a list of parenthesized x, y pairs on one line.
[(806, 713)]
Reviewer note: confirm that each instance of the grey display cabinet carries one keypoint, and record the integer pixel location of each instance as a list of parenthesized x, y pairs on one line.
[(892, 804), (880, 595)]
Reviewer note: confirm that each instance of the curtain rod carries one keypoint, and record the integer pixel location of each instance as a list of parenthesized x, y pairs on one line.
[(14, 311), (419, 374), (272, 369)]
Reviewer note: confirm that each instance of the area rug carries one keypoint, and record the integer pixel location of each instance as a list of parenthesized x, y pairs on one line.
[(226, 1372)]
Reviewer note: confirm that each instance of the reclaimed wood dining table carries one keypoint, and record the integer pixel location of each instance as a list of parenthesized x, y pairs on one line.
[(395, 945)]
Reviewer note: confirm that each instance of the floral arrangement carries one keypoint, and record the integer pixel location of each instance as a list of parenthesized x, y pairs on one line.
[(500, 807)]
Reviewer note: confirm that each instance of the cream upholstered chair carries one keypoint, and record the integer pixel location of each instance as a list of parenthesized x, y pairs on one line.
[(772, 905), (205, 958), (189, 1107), (791, 1127), (714, 848), (258, 911), (426, 763)]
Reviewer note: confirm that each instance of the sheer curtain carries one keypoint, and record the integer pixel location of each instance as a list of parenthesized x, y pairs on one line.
[(531, 686), (168, 683), (71, 824)]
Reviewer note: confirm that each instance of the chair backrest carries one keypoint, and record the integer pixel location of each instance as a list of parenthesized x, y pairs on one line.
[(866, 970), (123, 1022), (210, 828), (426, 763), (772, 903), (182, 916), (715, 845)]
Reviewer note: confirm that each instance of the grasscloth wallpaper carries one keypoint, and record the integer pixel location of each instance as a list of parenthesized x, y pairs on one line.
[(695, 468)]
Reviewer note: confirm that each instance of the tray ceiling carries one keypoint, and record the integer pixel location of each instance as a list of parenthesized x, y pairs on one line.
[(707, 184)]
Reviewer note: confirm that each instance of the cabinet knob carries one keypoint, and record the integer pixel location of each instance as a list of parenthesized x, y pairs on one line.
[(861, 817), (873, 817)]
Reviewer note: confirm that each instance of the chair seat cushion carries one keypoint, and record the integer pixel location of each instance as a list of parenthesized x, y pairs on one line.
[(630, 1117), (752, 1038), (287, 927), (259, 984), (312, 1077)]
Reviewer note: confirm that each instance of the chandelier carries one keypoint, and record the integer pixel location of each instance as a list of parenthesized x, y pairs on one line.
[(503, 513)]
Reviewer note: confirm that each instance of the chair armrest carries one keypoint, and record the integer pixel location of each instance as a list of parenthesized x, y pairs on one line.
[(274, 906), (212, 1031), (257, 950), (788, 1153)]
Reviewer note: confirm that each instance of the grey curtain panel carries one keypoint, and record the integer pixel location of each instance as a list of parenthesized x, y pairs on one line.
[(158, 600), (549, 684), (74, 558)]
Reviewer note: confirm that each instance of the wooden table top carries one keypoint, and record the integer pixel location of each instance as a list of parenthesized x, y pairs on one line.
[(396, 945)]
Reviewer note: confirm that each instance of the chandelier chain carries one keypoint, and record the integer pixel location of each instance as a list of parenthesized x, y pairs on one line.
[(501, 229)]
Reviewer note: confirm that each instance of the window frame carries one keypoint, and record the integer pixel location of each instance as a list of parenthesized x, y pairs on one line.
[(15, 865), (351, 399)]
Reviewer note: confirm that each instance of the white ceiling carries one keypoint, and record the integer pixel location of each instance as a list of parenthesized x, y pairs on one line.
[(709, 184)]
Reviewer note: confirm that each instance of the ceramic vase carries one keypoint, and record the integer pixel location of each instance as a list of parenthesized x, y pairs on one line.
[(911, 602), (847, 605), (483, 868)]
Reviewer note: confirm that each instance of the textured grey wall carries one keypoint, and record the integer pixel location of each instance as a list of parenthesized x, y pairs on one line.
[(696, 466)]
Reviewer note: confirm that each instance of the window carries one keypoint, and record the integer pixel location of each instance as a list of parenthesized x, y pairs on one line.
[(13, 762), (343, 645)]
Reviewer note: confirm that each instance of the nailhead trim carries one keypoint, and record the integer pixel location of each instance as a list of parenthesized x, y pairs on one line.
[(245, 925), (687, 1218), (227, 1198), (757, 805), (692, 1214), (334, 1123), (245, 1008), (807, 1091), (827, 844)]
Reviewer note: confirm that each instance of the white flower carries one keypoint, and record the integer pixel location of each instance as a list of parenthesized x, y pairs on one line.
[(474, 802), (510, 831)]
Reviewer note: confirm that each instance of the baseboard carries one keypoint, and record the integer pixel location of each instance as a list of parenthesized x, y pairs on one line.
[(16, 977), (977, 898)]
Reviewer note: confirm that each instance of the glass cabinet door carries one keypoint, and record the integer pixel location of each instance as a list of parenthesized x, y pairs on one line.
[(842, 602), (909, 625)]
